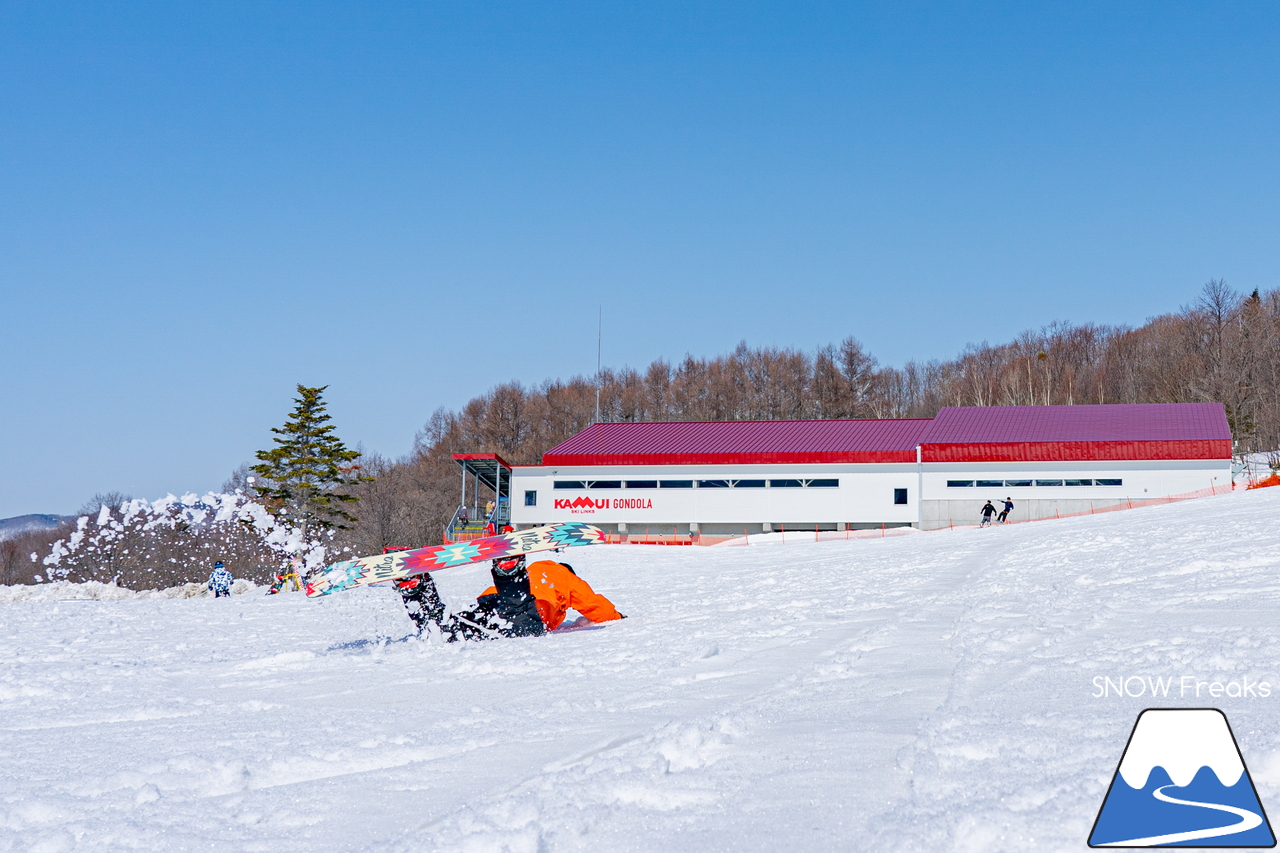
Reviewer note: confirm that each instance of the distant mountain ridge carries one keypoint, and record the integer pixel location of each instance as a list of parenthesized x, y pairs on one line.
[(20, 524)]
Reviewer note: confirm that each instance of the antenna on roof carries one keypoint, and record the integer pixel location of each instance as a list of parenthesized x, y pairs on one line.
[(599, 330)]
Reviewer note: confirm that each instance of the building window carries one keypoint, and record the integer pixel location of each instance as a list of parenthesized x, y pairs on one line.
[(530, 498), (713, 484), (604, 484), (676, 484), (642, 484), (786, 484), (900, 497), (749, 484), (1023, 484), (824, 484), (570, 484)]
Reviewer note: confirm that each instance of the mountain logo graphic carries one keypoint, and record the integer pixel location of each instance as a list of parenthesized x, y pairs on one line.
[(1181, 783)]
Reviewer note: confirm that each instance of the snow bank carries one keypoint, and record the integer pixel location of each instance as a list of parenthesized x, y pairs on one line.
[(937, 691), (68, 591)]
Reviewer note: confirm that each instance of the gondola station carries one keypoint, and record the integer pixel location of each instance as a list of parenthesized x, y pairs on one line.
[(709, 481)]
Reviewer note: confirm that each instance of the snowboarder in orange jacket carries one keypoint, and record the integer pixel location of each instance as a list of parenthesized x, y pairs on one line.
[(524, 601), (556, 587)]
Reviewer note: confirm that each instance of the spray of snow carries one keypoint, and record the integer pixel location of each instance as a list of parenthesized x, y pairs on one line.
[(169, 513)]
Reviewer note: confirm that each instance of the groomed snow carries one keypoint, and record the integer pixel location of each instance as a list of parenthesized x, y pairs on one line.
[(925, 692), (68, 591)]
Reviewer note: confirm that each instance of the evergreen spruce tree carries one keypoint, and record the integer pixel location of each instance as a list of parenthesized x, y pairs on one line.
[(309, 471)]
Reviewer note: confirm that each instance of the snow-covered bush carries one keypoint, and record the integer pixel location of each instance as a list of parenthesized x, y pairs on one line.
[(143, 544)]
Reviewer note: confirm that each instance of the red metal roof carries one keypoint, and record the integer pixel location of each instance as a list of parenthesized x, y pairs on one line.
[(968, 434), (741, 443), (1084, 433), (459, 457), (1117, 422)]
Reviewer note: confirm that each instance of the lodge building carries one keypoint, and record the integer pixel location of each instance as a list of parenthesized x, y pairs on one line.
[(726, 478)]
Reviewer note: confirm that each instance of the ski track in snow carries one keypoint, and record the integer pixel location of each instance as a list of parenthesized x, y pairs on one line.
[(928, 692)]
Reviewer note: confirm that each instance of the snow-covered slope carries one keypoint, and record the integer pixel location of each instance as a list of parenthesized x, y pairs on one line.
[(927, 692)]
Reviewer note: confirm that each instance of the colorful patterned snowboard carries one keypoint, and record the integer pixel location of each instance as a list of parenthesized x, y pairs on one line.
[(400, 564)]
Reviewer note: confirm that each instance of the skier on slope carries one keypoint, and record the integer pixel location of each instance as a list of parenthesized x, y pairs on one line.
[(987, 511), (1003, 517), (523, 602), (220, 581)]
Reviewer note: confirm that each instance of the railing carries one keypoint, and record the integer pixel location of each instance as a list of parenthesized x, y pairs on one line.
[(458, 530)]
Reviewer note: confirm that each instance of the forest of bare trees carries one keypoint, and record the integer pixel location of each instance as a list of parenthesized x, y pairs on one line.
[(1223, 348)]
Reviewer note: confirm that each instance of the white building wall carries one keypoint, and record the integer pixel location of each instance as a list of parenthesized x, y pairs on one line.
[(864, 496), (1141, 480)]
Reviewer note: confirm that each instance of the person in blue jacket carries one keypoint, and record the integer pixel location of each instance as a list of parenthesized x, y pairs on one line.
[(1003, 517), (220, 581)]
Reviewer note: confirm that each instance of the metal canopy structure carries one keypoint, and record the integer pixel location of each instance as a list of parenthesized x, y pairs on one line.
[(491, 471), (489, 468)]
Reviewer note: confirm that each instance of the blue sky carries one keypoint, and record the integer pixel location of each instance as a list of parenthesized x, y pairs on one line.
[(202, 205)]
